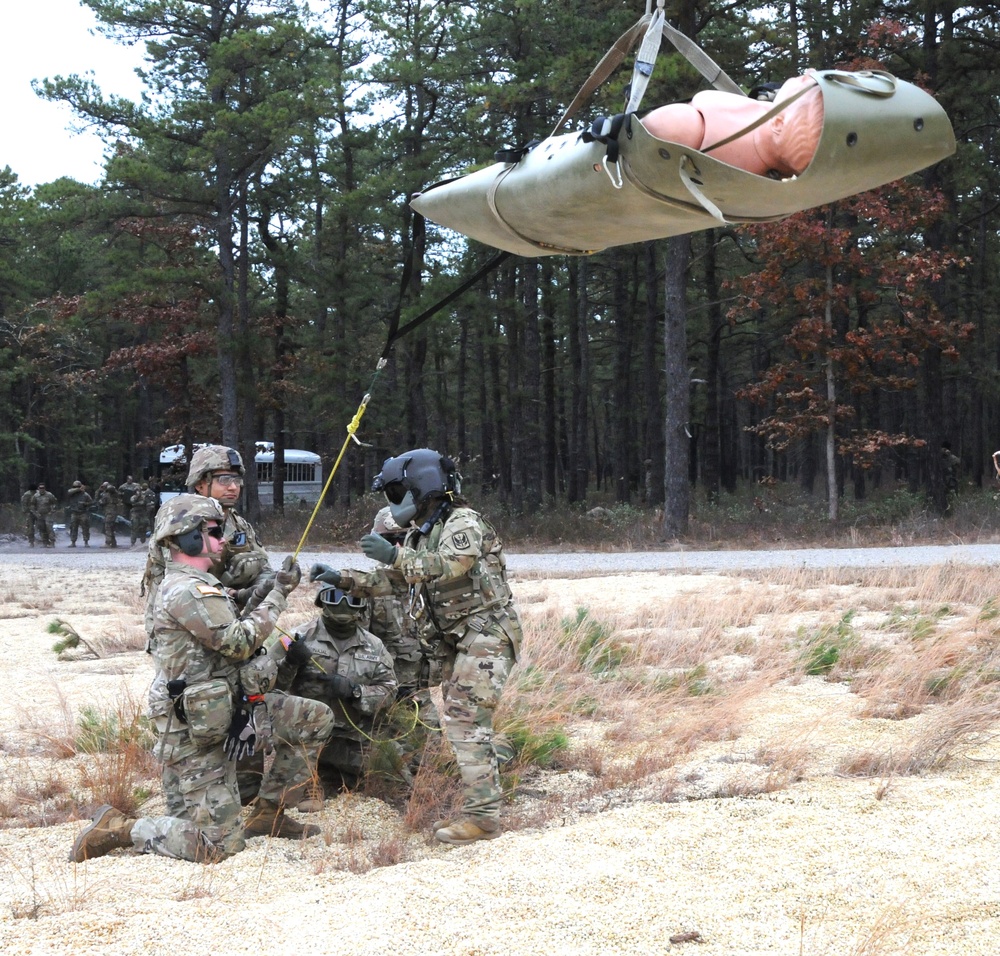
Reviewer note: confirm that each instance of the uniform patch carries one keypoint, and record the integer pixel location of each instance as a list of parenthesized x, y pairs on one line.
[(367, 657), (204, 589), (461, 540)]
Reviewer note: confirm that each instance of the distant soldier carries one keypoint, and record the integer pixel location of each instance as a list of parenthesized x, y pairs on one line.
[(128, 488), (80, 502), (109, 503), (28, 507), (43, 502), (152, 502), (139, 513)]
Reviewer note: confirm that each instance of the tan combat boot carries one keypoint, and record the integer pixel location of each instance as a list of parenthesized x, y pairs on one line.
[(109, 830), (268, 819), (312, 799), (469, 830)]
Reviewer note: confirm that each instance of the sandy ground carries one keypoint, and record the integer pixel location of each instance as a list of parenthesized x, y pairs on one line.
[(829, 865)]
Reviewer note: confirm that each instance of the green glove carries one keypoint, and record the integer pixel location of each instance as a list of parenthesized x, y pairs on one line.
[(325, 573), (378, 549)]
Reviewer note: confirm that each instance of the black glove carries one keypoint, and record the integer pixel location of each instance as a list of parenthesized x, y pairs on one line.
[(326, 574), (249, 732), (297, 653), (242, 735), (343, 687), (378, 549), (287, 579)]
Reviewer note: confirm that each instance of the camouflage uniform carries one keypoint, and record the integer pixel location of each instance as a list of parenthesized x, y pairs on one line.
[(243, 564), (362, 659), (43, 503), (199, 637), (470, 627), (139, 513), (27, 506), (108, 502), (79, 513), (127, 489)]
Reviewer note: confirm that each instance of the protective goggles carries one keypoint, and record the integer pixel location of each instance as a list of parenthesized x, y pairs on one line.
[(332, 597), (226, 480), (213, 532)]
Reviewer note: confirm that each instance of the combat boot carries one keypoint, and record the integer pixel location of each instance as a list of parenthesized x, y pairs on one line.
[(268, 819), (109, 830), (469, 830), (312, 799)]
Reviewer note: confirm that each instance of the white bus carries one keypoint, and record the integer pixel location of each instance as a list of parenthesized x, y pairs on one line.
[(303, 474)]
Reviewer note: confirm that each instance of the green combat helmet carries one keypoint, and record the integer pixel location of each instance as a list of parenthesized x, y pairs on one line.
[(211, 458), (185, 513)]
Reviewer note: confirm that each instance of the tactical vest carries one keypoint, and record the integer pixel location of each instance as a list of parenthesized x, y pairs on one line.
[(483, 588)]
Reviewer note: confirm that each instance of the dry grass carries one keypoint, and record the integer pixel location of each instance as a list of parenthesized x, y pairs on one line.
[(615, 703)]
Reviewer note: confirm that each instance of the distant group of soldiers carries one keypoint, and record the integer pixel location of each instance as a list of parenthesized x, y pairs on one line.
[(135, 499)]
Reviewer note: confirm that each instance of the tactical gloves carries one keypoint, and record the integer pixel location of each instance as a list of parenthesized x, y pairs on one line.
[(378, 549), (287, 579), (249, 731), (343, 687), (297, 653), (326, 574)]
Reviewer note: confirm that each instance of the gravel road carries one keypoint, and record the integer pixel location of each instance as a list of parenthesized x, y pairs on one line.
[(573, 562)]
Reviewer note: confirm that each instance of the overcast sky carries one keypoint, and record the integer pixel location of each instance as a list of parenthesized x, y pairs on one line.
[(48, 38)]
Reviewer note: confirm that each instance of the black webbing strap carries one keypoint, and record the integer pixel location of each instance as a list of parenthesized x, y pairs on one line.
[(396, 331)]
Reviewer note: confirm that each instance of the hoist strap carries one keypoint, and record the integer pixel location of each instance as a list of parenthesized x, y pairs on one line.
[(396, 331), (611, 60)]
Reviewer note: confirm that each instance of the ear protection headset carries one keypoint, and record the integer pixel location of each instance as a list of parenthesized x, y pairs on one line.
[(191, 542)]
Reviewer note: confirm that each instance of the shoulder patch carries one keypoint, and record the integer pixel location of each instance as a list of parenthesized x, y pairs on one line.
[(461, 540), (205, 589)]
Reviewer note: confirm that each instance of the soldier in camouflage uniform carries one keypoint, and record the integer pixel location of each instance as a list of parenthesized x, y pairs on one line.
[(27, 506), (79, 513), (128, 488), (139, 513), (210, 704), (389, 622), (217, 472), (43, 503), (109, 503), (453, 560), (335, 660)]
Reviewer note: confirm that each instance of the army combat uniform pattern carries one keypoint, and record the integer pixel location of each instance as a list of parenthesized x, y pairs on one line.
[(27, 506), (243, 563), (362, 659), (200, 638), (43, 503), (109, 503), (469, 624), (80, 502)]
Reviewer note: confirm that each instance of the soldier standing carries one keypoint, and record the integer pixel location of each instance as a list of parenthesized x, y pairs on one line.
[(109, 503), (210, 704), (454, 560), (126, 489), (79, 513), (139, 514), (335, 660), (28, 507), (43, 503)]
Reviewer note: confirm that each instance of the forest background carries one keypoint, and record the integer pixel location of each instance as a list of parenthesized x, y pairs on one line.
[(234, 275)]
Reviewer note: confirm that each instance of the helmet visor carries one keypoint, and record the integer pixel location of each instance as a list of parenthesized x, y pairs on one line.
[(395, 492)]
